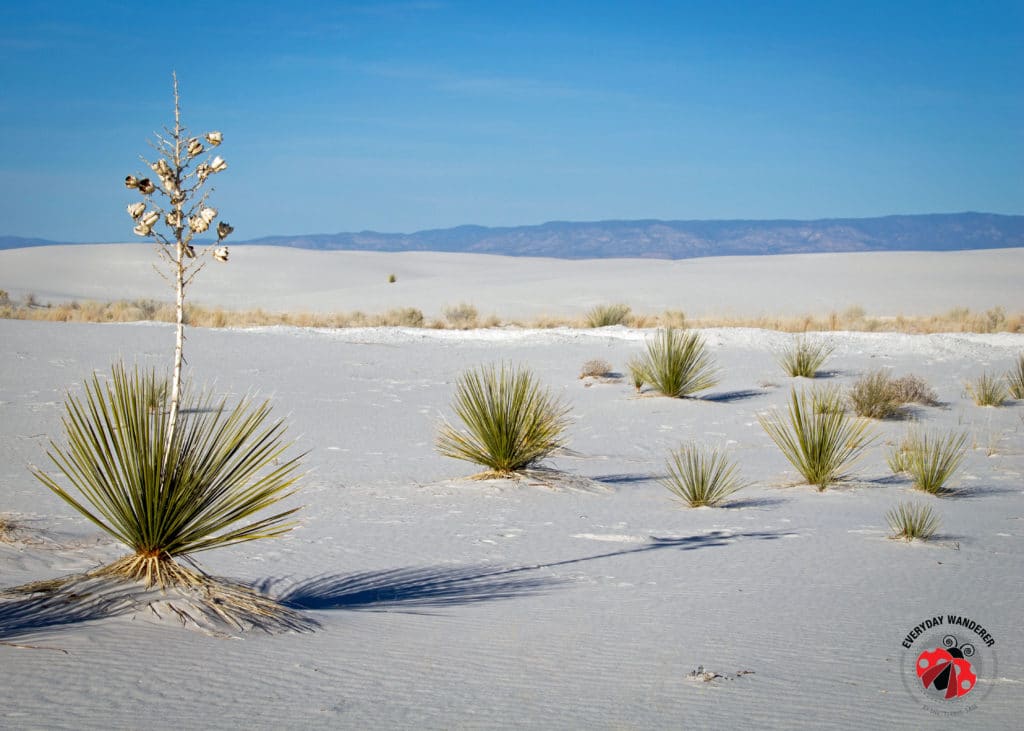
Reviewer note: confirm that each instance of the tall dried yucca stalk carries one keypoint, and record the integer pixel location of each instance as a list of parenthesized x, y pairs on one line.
[(178, 201)]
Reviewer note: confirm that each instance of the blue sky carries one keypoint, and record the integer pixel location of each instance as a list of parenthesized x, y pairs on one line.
[(402, 116)]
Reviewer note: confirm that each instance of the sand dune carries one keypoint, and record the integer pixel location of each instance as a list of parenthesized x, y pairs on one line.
[(448, 603), (909, 283)]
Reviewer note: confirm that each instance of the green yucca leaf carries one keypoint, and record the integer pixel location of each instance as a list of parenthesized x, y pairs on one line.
[(676, 363), (701, 476), (911, 521), (803, 358), (1015, 378), (224, 465), (931, 459), (988, 390), (821, 444), (509, 421)]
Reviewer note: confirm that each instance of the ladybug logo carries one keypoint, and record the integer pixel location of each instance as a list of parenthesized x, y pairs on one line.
[(946, 669)]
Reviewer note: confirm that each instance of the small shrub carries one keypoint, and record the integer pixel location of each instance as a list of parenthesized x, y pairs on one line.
[(596, 368), (874, 396), (701, 476), (1015, 378), (822, 446), (930, 459), (392, 279), (911, 389), (605, 315), (911, 521), (403, 317), (509, 421), (988, 390), (898, 455), (677, 364), (803, 358), (462, 316)]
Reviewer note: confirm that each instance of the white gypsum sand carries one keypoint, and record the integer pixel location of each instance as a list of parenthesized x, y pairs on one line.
[(448, 603), (280, 279)]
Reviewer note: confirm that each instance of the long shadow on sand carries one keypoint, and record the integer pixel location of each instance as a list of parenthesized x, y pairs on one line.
[(24, 618), (728, 397), (439, 586)]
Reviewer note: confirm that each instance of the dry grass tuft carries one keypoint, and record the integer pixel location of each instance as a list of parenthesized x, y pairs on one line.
[(596, 368), (853, 319), (1015, 378), (988, 390)]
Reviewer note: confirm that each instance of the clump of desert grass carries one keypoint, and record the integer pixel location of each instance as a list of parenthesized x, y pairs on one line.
[(596, 368), (167, 495), (912, 521), (1015, 379), (701, 476), (607, 315), (988, 390), (929, 459), (873, 396), (803, 357), (676, 363), (878, 395), (510, 422), (821, 444), (218, 317), (462, 316)]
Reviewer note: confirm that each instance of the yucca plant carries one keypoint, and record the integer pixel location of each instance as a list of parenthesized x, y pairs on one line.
[(803, 357), (677, 363), (166, 500), (931, 459), (701, 476), (911, 521), (605, 315), (637, 375), (988, 390), (1015, 378), (875, 396), (821, 445), (510, 422), (828, 399)]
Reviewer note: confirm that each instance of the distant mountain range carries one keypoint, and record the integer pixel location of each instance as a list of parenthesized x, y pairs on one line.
[(677, 239)]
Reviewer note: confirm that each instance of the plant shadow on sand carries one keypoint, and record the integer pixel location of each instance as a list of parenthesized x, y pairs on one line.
[(216, 606), (727, 397), (432, 587)]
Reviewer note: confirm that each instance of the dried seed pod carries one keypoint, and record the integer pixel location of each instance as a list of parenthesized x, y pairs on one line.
[(136, 209), (150, 219), (224, 229), (220, 253), (198, 224), (195, 147), (208, 214), (146, 186), (130, 181), (218, 165), (142, 230), (174, 218), (214, 138)]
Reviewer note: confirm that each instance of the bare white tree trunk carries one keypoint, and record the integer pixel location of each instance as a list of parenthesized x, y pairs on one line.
[(179, 285)]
